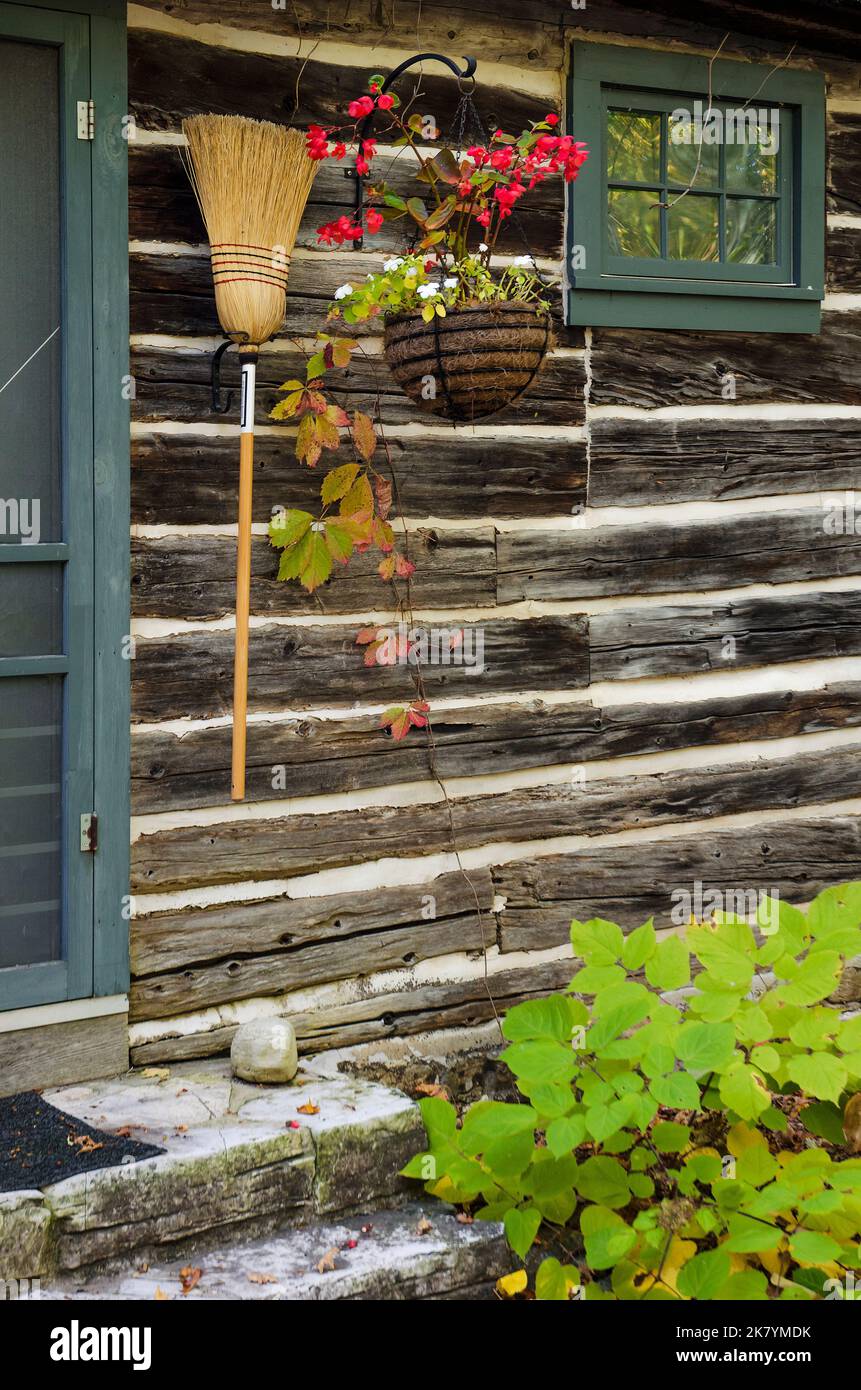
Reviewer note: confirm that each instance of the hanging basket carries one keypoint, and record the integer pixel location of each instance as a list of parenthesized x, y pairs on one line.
[(470, 364)]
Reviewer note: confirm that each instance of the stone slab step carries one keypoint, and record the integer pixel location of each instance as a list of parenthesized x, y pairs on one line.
[(412, 1253), (239, 1160)]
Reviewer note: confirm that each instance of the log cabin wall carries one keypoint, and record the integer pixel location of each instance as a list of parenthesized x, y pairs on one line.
[(672, 690)]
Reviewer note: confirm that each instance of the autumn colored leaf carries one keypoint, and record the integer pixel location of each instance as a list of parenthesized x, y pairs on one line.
[(308, 447), (359, 501), (289, 527), (338, 483), (155, 1073), (314, 559), (364, 435), (309, 1108), (432, 1088), (286, 409), (512, 1284), (366, 634), (383, 493), (339, 541), (400, 719), (261, 1279), (189, 1278), (423, 1227), (161, 1297), (337, 415), (327, 1262)]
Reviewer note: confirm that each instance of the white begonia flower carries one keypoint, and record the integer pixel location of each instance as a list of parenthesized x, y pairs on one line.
[(523, 260), (393, 263), (483, 246), (342, 291), (450, 283), (427, 291)]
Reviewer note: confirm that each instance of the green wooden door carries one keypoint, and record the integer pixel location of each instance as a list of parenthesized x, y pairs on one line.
[(46, 510)]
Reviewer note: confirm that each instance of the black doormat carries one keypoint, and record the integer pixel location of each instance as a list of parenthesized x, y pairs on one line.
[(40, 1144)]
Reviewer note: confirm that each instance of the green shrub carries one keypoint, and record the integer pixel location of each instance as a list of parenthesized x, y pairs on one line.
[(676, 1150)]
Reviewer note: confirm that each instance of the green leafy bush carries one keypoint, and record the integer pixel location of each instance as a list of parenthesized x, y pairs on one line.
[(691, 1149)]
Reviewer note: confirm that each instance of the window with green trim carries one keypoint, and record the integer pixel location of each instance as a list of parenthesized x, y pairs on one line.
[(703, 200)]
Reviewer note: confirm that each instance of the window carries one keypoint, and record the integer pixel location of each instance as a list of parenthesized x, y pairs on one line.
[(693, 211)]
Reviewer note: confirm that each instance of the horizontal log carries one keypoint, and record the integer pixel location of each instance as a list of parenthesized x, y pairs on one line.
[(293, 845), (300, 667), (501, 31), (637, 462), (174, 384), (843, 261), (768, 548), (172, 77), (448, 1004), (750, 30), (308, 757), (680, 639), (192, 479), (793, 860), (171, 293), (844, 163), (192, 577), (632, 367), (162, 206), (194, 960)]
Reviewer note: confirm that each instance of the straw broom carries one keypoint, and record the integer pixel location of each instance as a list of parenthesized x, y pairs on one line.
[(252, 181)]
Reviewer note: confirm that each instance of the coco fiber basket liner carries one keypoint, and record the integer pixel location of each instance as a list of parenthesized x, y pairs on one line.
[(470, 364)]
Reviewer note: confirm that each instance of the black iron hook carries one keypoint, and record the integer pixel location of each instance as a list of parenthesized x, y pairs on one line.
[(462, 74), (217, 407)]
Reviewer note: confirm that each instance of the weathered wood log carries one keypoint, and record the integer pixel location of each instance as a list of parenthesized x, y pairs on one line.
[(663, 368), (314, 756), (190, 577), (192, 479), (636, 462), (447, 1004), (174, 384), (171, 293), (293, 845), (292, 89), (844, 163), (769, 548), (843, 261), (674, 640), (162, 207), (629, 883), (501, 31), (193, 960), (303, 666)]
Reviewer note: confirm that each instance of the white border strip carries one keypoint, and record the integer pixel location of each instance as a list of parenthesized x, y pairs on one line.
[(71, 1011)]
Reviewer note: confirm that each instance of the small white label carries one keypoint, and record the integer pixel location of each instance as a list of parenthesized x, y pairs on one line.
[(249, 377)]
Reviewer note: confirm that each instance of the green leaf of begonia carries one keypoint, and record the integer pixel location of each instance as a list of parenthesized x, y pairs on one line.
[(607, 1237), (521, 1228), (639, 946), (704, 1274), (706, 1046), (820, 1074), (669, 966)]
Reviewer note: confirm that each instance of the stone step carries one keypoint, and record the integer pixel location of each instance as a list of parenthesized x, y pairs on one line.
[(240, 1160), (411, 1253)]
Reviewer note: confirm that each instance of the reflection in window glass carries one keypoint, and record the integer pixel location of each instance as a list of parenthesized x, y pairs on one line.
[(634, 223), (751, 165), (693, 229), (751, 231), (633, 147), (682, 157)]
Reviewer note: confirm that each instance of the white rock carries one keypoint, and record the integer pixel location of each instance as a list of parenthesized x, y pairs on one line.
[(264, 1049)]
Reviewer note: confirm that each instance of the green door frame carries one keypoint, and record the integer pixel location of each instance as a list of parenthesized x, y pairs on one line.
[(96, 427)]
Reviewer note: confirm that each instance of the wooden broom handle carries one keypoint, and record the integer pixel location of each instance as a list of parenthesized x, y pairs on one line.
[(243, 575)]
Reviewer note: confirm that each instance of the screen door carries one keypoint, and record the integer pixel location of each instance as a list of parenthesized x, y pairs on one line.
[(46, 510)]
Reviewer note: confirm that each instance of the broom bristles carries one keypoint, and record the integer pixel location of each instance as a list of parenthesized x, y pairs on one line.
[(251, 180)]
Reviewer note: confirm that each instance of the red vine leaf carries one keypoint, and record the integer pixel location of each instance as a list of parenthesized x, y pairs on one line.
[(383, 492), (364, 435), (400, 719)]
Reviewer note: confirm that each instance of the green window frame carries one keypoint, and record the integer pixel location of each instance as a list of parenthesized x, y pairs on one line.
[(92, 37), (664, 289)]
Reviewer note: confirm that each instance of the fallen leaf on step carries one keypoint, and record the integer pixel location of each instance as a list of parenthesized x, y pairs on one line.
[(511, 1284), (189, 1277), (156, 1073), (161, 1296), (465, 1219), (423, 1227), (327, 1262), (432, 1088), (309, 1108), (261, 1279), (852, 1122), (182, 1129), (84, 1142)]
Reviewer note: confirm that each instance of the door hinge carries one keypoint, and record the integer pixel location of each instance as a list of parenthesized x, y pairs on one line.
[(89, 833), (86, 120)]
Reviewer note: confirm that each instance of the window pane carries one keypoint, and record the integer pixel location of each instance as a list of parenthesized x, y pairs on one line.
[(633, 147), (751, 154), (751, 231), (683, 153), (692, 229), (634, 223), (30, 819), (31, 610), (30, 293)]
